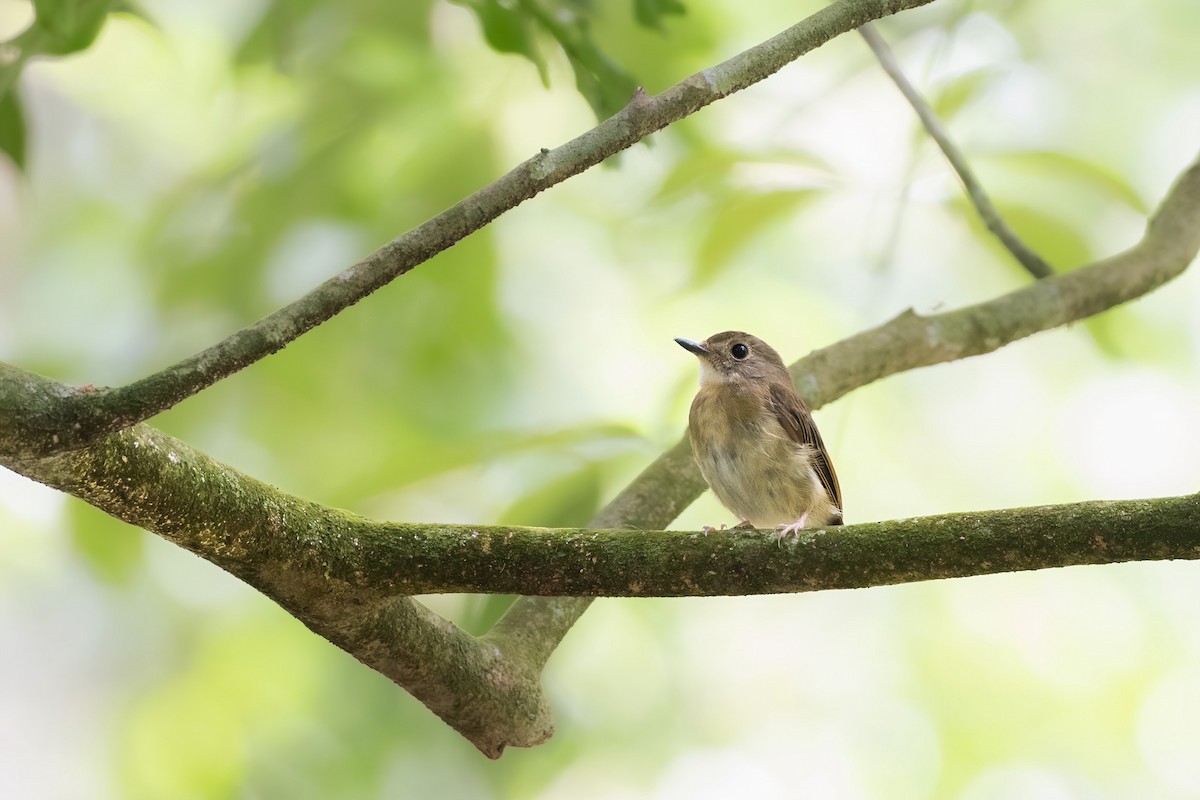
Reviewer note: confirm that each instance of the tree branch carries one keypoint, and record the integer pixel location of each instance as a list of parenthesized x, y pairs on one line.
[(345, 575), (672, 482), (995, 223), (79, 416), (585, 562), (294, 551), (340, 574)]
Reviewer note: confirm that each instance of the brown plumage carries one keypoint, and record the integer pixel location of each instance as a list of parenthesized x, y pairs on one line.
[(754, 439)]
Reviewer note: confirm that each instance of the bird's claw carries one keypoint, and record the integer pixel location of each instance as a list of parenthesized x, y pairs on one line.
[(793, 529)]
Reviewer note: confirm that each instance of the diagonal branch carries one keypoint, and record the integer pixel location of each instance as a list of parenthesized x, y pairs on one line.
[(995, 223), (295, 552), (81, 416)]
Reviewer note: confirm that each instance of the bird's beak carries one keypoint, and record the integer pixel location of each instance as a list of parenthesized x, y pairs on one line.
[(693, 347)]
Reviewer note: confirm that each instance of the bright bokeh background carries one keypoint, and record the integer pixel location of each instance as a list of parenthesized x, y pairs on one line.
[(190, 173)]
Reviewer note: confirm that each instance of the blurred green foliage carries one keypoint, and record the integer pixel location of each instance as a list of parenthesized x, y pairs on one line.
[(516, 27), (62, 27), (58, 28), (179, 170), (12, 127)]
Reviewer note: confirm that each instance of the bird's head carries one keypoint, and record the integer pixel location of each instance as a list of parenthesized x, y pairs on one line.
[(733, 357)]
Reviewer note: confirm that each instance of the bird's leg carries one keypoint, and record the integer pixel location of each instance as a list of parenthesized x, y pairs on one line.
[(793, 529)]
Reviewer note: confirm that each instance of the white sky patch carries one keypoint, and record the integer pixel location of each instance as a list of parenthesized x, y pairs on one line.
[(29, 500), (1133, 434)]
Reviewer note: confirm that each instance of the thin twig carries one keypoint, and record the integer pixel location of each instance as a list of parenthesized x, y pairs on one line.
[(1028, 259)]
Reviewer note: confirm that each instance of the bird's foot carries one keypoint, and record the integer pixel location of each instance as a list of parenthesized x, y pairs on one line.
[(794, 528), (710, 529)]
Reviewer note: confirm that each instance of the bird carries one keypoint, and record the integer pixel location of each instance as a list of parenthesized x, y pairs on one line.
[(755, 440)]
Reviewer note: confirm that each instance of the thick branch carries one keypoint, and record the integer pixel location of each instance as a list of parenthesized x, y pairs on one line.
[(681, 563), (339, 572), (295, 552), (995, 223), (78, 417)]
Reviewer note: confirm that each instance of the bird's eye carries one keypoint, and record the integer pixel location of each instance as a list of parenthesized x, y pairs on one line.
[(739, 351)]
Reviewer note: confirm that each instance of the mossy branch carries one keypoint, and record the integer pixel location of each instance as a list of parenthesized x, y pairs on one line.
[(340, 573)]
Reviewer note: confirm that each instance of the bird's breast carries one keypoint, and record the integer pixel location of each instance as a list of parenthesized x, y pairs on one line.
[(748, 460)]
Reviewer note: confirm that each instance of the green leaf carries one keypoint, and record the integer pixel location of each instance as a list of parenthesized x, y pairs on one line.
[(1073, 168), (699, 167), (649, 13), (738, 222), (510, 27), (12, 128), (111, 549), (705, 167), (605, 86), (509, 30), (483, 610), (601, 81), (956, 93), (1057, 241), (1050, 236), (64, 26), (272, 39)]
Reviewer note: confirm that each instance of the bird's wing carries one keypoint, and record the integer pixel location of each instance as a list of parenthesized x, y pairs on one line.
[(797, 423)]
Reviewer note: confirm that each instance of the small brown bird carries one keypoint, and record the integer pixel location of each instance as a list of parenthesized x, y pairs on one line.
[(754, 439)]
